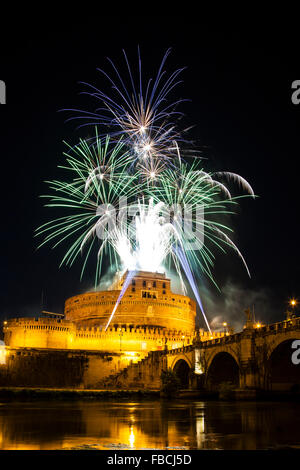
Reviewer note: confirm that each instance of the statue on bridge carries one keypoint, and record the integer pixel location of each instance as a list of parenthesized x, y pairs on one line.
[(249, 316)]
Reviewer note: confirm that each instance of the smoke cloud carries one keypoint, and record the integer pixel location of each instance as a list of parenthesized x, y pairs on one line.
[(230, 304)]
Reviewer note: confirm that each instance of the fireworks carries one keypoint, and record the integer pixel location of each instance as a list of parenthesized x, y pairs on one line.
[(90, 201), (140, 114), (131, 197)]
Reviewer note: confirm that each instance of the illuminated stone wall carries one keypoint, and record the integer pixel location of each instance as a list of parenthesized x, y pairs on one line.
[(61, 334), (38, 333), (147, 301), (43, 368), (60, 368), (144, 374), (149, 318)]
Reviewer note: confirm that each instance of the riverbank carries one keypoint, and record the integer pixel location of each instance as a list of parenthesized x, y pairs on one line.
[(30, 393), (258, 395), (36, 393), (26, 393)]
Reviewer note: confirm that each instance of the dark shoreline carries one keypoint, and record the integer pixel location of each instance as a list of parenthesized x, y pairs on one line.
[(27, 393), (39, 393)]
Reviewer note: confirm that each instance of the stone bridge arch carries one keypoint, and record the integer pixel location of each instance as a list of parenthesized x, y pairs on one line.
[(280, 338), (222, 370), (282, 374), (210, 355), (182, 366)]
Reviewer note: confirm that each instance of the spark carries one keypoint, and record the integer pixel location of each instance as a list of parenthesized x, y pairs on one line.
[(156, 237), (135, 169), (138, 112), (186, 266), (127, 281)]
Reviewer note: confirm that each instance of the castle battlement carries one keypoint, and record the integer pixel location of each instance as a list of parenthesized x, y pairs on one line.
[(38, 323), (148, 301), (150, 317)]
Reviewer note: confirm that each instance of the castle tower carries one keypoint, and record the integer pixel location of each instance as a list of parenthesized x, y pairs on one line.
[(149, 317), (147, 302)]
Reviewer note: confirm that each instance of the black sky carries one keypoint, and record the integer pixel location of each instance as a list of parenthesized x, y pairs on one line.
[(239, 86)]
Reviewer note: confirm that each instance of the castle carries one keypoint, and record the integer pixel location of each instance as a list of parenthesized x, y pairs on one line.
[(150, 317)]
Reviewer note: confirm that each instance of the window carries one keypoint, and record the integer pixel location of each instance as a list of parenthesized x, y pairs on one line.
[(144, 283), (149, 295), (164, 285), (154, 284)]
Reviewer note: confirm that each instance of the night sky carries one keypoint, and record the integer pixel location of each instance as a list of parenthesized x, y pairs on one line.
[(239, 87)]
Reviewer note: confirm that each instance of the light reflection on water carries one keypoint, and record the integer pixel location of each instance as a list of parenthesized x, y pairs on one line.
[(149, 425)]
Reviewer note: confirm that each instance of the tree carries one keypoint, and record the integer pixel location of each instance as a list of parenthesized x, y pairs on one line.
[(170, 383)]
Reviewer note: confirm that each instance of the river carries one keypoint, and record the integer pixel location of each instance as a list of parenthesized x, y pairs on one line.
[(159, 424)]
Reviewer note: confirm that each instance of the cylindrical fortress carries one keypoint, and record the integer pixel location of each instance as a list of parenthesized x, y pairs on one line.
[(148, 301)]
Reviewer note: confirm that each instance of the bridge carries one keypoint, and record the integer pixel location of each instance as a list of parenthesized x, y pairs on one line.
[(259, 357)]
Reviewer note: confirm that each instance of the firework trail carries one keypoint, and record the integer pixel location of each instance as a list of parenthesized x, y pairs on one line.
[(140, 114), (126, 284), (91, 203), (101, 191), (186, 267)]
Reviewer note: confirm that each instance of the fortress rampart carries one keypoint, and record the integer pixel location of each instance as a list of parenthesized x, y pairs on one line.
[(64, 334), (147, 301), (150, 317)]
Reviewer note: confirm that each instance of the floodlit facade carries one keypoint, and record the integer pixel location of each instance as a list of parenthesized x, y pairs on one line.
[(149, 317)]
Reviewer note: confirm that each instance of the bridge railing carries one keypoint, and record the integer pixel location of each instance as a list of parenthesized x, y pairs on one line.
[(182, 349), (285, 325), (289, 324), (223, 340), (278, 326)]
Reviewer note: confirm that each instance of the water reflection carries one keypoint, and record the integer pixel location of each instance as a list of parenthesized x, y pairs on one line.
[(149, 424)]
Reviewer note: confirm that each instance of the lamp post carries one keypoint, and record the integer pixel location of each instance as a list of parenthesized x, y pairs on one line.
[(292, 303), (225, 327)]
